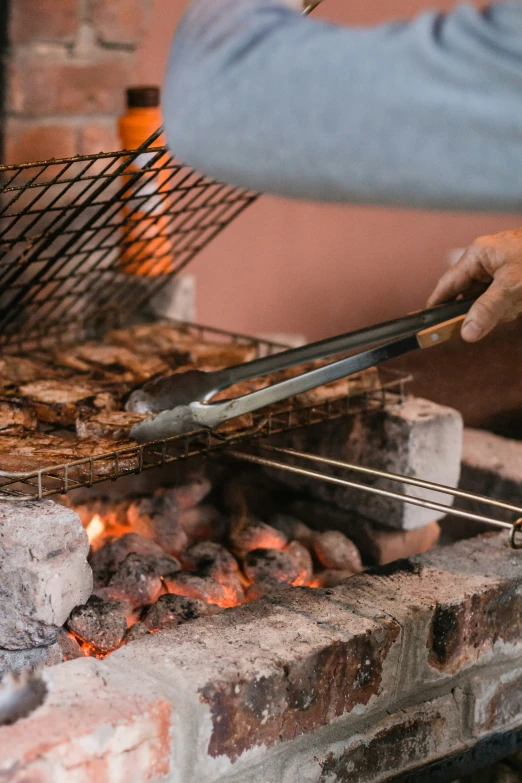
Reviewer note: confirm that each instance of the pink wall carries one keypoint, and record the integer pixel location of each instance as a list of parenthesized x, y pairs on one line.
[(316, 269)]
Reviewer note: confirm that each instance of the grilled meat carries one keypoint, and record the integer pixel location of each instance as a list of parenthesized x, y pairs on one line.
[(117, 360), (24, 452), (111, 425)]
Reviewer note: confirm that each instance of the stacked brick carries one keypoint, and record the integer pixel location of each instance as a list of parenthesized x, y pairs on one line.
[(68, 64), (393, 669)]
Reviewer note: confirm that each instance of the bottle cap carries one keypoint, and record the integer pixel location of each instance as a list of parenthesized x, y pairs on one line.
[(143, 97)]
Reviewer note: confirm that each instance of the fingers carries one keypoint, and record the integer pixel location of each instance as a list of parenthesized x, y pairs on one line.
[(493, 306), (460, 277)]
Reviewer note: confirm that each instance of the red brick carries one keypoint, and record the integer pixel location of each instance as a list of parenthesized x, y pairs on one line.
[(99, 138), (46, 88), (386, 546), (43, 20), (27, 143), (403, 742), (119, 21), (273, 670), (96, 724), (458, 603), (497, 701)]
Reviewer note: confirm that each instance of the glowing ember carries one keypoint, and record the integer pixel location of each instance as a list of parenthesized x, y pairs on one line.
[(95, 530), (233, 558)]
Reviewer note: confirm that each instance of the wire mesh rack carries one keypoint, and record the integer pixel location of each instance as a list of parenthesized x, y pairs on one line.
[(85, 243), (133, 459), (85, 239)]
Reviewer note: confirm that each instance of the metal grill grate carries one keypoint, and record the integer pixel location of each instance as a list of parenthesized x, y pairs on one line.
[(85, 239), (85, 243), (126, 460)]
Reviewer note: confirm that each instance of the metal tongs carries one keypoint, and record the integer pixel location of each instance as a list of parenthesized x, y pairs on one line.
[(179, 403)]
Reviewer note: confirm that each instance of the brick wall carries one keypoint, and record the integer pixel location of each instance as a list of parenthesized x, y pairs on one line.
[(67, 65), (396, 668)]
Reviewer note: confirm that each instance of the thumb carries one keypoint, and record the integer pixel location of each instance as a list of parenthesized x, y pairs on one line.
[(485, 314)]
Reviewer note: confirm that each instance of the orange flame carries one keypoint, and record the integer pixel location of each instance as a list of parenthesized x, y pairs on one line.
[(95, 530)]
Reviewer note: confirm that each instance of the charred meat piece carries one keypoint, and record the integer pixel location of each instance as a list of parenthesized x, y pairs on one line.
[(119, 360), (159, 337), (15, 370), (56, 401), (112, 425), (165, 338), (24, 452), (14, 414)]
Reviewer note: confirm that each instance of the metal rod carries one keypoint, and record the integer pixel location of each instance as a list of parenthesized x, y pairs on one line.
[(415, 482), (374, 490)]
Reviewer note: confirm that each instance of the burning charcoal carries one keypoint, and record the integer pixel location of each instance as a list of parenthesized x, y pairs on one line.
[(138, 580), (190, 493), (202, 523), (111, 513), (102, 624), (254, 534), (271, 564), (207, 555), (213, 560), (106, 561), (292, 528), (334, 550), (331, 577), (205, 588), (268, 587), (135, 632), (170, 611), (68, 645), (255, 492), (303, 560), (157, 518)]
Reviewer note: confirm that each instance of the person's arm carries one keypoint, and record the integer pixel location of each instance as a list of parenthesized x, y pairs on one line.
[(494, 260), (427, 113)]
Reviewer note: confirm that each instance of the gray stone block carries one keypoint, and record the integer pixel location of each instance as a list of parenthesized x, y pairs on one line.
[(492, 466), (14, 661), (416, 438), (44, 572)]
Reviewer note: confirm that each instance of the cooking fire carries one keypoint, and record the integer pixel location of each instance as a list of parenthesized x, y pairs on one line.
[(195, 549)]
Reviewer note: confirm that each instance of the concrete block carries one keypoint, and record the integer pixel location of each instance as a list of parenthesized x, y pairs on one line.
[(491, 466), (416, 438), (44, 572)]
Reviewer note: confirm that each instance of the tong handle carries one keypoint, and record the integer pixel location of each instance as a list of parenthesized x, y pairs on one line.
[(440, 333), (390, 330)]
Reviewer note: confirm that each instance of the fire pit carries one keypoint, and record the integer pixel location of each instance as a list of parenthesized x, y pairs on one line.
[(219, 618)]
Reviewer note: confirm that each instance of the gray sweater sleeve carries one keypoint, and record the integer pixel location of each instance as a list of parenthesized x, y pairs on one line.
[(426, 113)]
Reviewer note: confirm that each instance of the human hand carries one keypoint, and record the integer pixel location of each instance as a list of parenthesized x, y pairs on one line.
[(495, 260)]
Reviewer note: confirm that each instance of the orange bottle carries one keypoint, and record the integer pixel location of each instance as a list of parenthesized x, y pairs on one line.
[(146, 247)]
